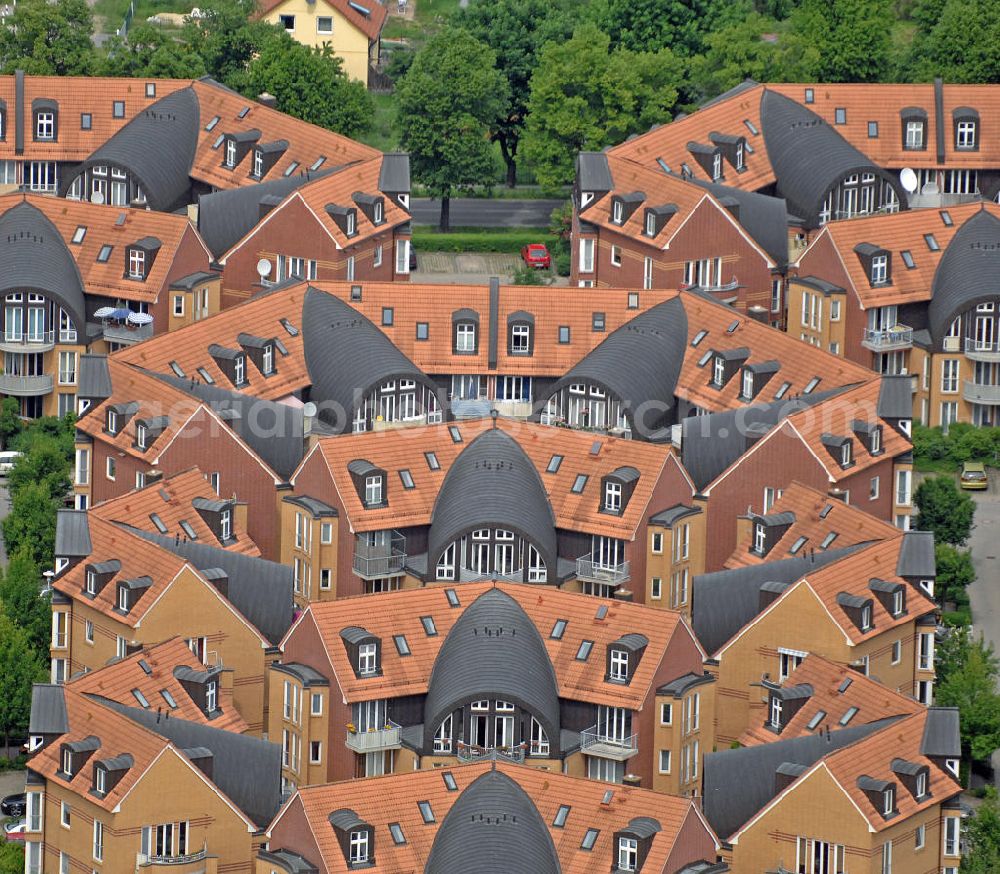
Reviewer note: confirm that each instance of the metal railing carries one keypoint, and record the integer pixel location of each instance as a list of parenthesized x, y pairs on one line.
[(381, 559), (25, 385), (144, 859), (473, 753), (127, 334), (601, 572), (896, 337), (980, 394), (19, 341), (374, 739), (598, 742), (987, 349)]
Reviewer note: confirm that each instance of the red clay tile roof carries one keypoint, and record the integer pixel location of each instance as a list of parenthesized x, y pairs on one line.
[(583, 452), (872, 700), (397, 613), (851, 524), (370, 24), (171, 500), (103, 227), (118, 680), (370, 799)]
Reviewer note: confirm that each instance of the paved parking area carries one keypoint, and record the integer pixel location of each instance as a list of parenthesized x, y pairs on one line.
[(984, 593), (11, 782), (470, 268)]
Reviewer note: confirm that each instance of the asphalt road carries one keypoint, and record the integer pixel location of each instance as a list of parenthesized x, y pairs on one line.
[(984, 593), (479, 212)]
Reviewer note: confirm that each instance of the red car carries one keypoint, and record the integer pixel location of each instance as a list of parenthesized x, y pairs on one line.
[(536, 255)]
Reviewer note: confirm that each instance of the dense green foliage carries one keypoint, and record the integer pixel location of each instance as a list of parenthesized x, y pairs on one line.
[(944, 509), (503, 240), (982, 836), (967, 679), (448, 100), (11, 856), (49, 38), (935, 450)]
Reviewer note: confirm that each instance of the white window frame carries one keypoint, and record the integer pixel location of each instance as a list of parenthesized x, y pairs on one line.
[(587, 255), (618, 667)]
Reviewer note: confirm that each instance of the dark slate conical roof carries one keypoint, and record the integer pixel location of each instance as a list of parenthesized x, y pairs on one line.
[(157, 148), (493, 826), (640, 363), (493, 484), (493, 651), (34, 256), (346, 357), (967, 274)]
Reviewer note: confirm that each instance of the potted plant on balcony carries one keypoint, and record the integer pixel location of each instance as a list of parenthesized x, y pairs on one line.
[(352, 728)]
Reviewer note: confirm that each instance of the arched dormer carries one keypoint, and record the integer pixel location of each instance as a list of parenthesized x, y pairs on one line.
[(492, 516), (493, 819), (493, 656)]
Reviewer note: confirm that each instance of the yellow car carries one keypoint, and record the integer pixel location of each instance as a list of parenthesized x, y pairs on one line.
[(974, 476)]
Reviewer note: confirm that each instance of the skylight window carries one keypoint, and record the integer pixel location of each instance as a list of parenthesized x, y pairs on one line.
[(402, 645), (188, 530), (158, 522), (407, 479), (169, 698), (664, 166), (583, 653), (206, 376), (579, 483), (456, 435), (432, 461), (430, 629), (845, 685), (243, 112), (553, 465), (799, 543), (701, 335), (561, 814), (211, 125), (426, 813), (589, 839), (177, 369), (291, 168), (733, 326), (847, 717), (449, 781), (811, 385), (317, 163), (751, 126), (140, 698), (907, 257), (396, 830), (558, 629), (704, 358), (452, 597), (104, 254), (825, 511), (289, 327), (946, 218), (602, 612), (218, 141), (828, 540), (79, 234), (816, 720), (281, 347), (931, 242)]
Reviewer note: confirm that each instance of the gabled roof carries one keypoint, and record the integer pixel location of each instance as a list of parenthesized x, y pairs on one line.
[(816, 516), (171, 501), (835, 690), (398, 613), (368, 16), (151, 672), (393, 799)]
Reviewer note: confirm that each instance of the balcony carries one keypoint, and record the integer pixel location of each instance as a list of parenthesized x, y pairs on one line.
[(601, 572), (472, 753), (887, 339), (177, 863), (373, 561), (21, 343), (514, 409), (380, 424), (374, 740), (25, 386), (981, 350), (127, 334), (594, 742), (981, 394)]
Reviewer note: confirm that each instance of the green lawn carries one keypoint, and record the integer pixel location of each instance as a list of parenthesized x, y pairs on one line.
[(429, 14), (109, 14)]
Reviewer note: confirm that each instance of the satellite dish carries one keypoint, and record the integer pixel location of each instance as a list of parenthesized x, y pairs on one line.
[(309, 410), (908, 179), (264, 268), (97, 197)]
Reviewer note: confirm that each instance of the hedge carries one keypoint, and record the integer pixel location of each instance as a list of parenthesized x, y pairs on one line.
[(503, 240)]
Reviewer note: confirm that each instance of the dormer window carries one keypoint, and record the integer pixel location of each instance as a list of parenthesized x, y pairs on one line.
[(45, 125), (650, 223), (866, 617), (352, 223), (719, 371), (617, 211), (914, 121), (520, 338), (123, 604), (845, 454), (914, 135), (921, 789), (239, 370), (112, 422), (759, 538), (268, 359), (717, 166), (613, 497), (136, 264), (618, 670), (258, 163), (628, 854), (965, 135), (140, 436), (211, 696), (898, 602), (67, 762), (358, 847), (465, 337), (879, 273), (91, 583), (226, 525), (373, 490), (230, 153), (367, 659), (378, 214), (888, 802), (740, 155), (776, 705), (747, 385), (100, 780), (875, 445)]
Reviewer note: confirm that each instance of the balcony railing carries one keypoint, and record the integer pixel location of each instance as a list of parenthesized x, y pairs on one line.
[(24, 386), (600, 571), (975, 393), (608, 746), (381, 559), (14, 342), (473, 753), (981, 350), (126, 335), (884, 339), (143, 860), (374, 740)]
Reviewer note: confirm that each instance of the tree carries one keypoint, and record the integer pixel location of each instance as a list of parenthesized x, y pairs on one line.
[(982, 836), (954, 571), (20, 666), (680, 25), (49, 38), (448, 99), (19, 594), (10, 421), (228, 38), (584, 96), (946, 44), (31, 524), (966, 679), (310, 83), (148, 51), (11, 857), (943, 509), (515, 30), (45, 463), (733, 54)]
